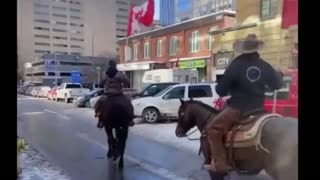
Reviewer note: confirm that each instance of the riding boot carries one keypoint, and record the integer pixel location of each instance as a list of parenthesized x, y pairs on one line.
[(216, 130)]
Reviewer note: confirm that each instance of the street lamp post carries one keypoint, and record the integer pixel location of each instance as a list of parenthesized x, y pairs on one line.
[(98, 69)]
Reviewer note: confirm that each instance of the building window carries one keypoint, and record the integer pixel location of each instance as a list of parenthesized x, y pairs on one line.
[(42, 21), (75, 17), (75, 53), (75, 46), (195, 41), (135, 52), (59, 30), (159, 48), (174, 45), (60, 37), (41, 44), (59, 8), (127, 55), (209, 41), (42, 51), (60, 45), (74, 10), (37, 5), (59, 15), (61, 52), (146, 50), (59, 22), (269, 9), (41, 13), (41, 28), (76, 39), (75, 2), (42, 36)]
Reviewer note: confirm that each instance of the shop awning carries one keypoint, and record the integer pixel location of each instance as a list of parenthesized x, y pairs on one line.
[(189, 58), (145, 65)]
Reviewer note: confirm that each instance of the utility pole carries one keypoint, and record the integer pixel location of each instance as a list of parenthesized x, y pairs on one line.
[(56, 69)]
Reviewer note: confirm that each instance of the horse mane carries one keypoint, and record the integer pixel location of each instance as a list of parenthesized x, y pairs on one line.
[(205, 106)]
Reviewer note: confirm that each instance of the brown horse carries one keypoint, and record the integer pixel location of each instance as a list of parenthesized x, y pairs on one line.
[(116, 112), (276, 152)]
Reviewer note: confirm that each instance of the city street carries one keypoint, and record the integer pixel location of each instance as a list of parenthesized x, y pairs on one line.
[(68, 137)]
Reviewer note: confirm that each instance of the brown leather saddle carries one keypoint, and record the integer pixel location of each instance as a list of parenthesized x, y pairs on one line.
[(247, 130)]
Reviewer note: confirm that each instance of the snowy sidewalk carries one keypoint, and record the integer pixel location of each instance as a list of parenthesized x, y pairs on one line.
[(34, 166)]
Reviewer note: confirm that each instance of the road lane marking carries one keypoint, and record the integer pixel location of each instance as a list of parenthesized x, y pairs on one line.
[(49, 111), (165, 173), (56, 113), (32, 113)]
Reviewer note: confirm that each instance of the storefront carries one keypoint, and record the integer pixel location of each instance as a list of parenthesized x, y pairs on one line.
[(220, 63), (198, 64), (135, 72)]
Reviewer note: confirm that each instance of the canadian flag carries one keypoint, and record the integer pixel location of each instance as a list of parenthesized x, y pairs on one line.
[(142, 14)]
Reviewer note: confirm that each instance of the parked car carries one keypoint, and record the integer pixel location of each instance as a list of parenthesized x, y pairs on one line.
[(286, 100), (52, 93), (43, 91), (152, 89), (34, 91), (84, 101), (94, 100), (70, 91), (126, 91), (166, 103)]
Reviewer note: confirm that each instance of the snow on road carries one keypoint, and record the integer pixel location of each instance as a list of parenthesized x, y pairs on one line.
[(165, 133), (34, 166)]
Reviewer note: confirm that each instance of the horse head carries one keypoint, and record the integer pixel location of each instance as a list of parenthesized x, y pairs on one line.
[(185, 120)]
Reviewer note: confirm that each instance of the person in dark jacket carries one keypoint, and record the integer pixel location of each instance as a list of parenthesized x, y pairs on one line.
[(112, 84), (245, 80)]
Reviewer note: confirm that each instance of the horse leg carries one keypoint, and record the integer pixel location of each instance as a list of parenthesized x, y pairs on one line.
[(122, 133), (111, 141)]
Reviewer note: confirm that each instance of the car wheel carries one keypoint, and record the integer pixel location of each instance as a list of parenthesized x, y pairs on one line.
[(151, 115), (87, 104)]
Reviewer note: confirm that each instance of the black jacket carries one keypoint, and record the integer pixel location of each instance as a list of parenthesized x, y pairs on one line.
[(114, 82), (246, 80)]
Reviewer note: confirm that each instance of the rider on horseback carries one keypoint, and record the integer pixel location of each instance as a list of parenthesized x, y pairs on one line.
[(245, 80), (113, 84)]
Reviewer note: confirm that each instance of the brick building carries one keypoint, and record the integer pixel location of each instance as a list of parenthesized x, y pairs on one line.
[(188, 41), (273, 21)]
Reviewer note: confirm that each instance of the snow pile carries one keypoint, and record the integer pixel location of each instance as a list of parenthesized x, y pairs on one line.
[(34, 166)]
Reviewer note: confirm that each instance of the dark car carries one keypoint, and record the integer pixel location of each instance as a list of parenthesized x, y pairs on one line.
[(152, 89), (84, 101)]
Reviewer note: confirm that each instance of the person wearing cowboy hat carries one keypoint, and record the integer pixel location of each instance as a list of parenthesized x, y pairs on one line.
[(245, 80)]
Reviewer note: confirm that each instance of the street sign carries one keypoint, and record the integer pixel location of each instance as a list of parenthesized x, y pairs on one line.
[(75, 77)]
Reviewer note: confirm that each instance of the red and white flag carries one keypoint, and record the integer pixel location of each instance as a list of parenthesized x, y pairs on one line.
[(142, 14)]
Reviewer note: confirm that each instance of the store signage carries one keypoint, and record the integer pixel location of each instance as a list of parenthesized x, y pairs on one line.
[(222, 60), (133, 67), (200, 63)]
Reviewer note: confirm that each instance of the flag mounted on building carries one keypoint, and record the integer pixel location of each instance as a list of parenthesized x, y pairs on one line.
[(142, 14)]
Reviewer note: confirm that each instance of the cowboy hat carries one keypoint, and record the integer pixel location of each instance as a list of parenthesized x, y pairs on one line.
[(249, 45)]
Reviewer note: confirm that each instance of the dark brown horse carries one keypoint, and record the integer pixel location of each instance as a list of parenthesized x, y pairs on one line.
[(116, 112), (277, 153)]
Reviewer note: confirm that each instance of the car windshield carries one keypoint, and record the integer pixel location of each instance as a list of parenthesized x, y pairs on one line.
[(144, 87), (163, 91), (73, 86)]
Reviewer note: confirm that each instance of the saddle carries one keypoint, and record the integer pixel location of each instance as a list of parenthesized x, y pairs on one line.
[(247, 132)]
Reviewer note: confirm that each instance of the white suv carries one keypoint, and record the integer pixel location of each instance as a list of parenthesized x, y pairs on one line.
[(166, 103)]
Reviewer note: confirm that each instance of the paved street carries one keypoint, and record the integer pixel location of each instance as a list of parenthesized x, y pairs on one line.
[(68, 137)]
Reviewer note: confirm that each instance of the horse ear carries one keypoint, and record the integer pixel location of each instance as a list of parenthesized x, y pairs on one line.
[(182, 101)]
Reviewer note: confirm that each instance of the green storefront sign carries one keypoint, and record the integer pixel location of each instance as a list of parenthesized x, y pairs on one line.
[(200, 63)]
